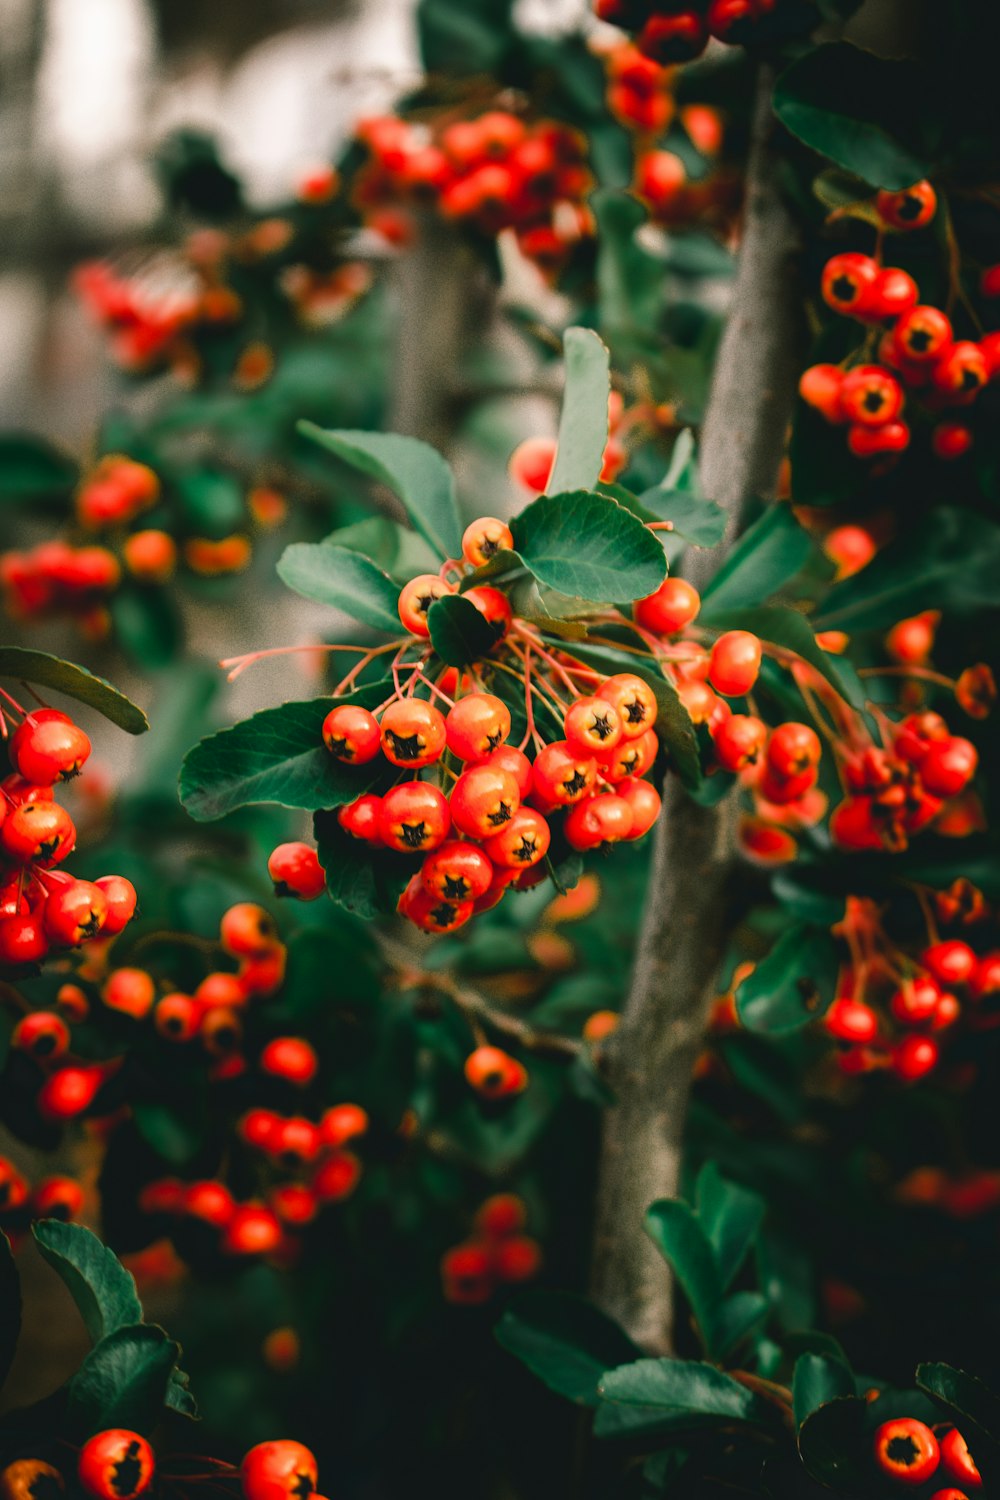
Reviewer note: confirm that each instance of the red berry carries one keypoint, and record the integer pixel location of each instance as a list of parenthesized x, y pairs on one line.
[(910, 209), (961, 372), (501, 1215), (605, 819), (592, 726), (296, 871), (951, 962), (531, 463), (247, 930), (913, 1058), (916, 1000), (644, 803), (870, 396), (851, 1021), (69, 1092), (252, 1230), (337, 1177), (792, 749), (280, 1470), (893, 293), (674, 38), (674, 605), (522, 842), (361, 818), (483, 800), (177, 1017), (38, 833), (951, 440), (949, 766), (341, 1123), (905, 1449), (494, 1073), (958, 1462), (414, 817), (23, 939), (75, 912), (413, 733), (518, 1258), (416, 598), (210, 1201), (57, 1198), (493, 606), (484, 538), (457, 871), (120, 896), (820, 387), (130, 991), (115, 1465), (739, 741), (466, 1274), (477, 725), (867, 442), (351, 734), (734, 663), (43, 1034), (290, 1057), (847, 281), (561, 774), (922, 334), (45, 750), (634, 701), (631, 758)]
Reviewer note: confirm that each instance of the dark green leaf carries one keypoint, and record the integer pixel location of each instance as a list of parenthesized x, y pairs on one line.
[(972, 1400), (212, 503), (123, 1382), (680, 1239), (365, 880), (462, 39), (344, 579), (952, 557), (565, 1341), (793, 985), (739, 1318), (414, 471), (10, 1307), (32, 469), (97, 1281), (175, 1131), (685, 1389), (858, 110), (817, 1380), (460, 633), (147, 624), (76, 682), (836, 1448), (767, 554), (278, 756), (695, 520), (583, 426), (589, 546), (731, 1217), (395, 549)]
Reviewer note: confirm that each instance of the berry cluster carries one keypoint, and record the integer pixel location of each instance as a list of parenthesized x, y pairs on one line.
[(919, 355), (492, 172), (42, 907), (676, 31), (52, 1197), (911, 1453), (306, 1168), (892, 1007), (497, 1251), (119, 1464), (56, 578)]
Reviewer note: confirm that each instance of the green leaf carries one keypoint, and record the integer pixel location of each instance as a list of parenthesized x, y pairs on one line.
[(32, 469), (688, 1390), (97, 1281), (414, 471), (766, 556), (731, 1217), (739, 1318), (277, 755), (976, 1405), (859, 110), (343, 579), (786, 627), (673, 722), (836, 1448), (10, 1307), (589, 546), (817, 1380), (212, 503), (175, 1131), (564, 1340), (460, 633), (681, 1240), (123, 1382), (630, 280), (462, 39), (147, 624), (952, 557), (583, 425), (76, 682), (694, 519), (365, 880), (793, 985), (392, 547)]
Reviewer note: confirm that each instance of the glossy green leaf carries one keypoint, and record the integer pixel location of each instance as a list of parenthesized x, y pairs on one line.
[(583, 425), (589, 546), (365, 880), (460, 633), (694, 519), (76, 682), (835, 1447), (680, 1238), (278, 756), (793, 985), (977, 1407), (731, 1217), (123, 1382), (414, 471), (391, 546), (859, 110), (952, 557), (788, 628), (564, 1340), (818, 1378), (345, 580), (684, 1389), (768, 553), (97, 1281), (739, 1319), (10, 1307), (462, 39), (33, 469)]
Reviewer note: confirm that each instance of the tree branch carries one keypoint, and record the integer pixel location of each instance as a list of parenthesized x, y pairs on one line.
[(683, 929)]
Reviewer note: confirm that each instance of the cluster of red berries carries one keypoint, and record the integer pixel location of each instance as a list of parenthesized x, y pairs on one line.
[(53, 1197), (676, 31), (119, 1464), (911, 1453), (307, 1168), (893, 1007), (919, 355), (56, 578), (42, 907), (497, 1251), (494, 172)]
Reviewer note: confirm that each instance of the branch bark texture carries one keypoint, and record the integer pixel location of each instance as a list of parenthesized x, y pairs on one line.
[(683, 925)]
